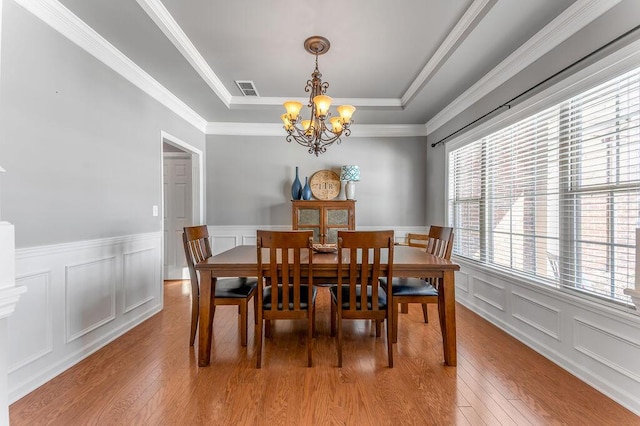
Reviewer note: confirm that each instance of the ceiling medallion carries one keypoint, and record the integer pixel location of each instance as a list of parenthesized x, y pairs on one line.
[(314, 133)]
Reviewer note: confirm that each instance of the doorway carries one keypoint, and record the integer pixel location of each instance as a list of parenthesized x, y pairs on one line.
[(182, 205)]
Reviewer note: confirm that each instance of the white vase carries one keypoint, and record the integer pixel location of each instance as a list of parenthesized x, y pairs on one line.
[(350, 190)]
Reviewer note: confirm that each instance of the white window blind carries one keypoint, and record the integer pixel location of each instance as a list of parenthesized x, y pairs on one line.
[(556, 196)]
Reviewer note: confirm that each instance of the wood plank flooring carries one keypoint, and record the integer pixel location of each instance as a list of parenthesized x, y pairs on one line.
[(150, 376)]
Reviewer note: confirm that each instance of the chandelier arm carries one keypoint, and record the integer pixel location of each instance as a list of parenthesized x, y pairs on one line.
[(329, 136), (298, 140), (331, 141), (299, 135)]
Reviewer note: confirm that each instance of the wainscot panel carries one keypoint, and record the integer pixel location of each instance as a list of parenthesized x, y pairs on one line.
[(80, 296), (594, 341), (537, 314), (490, 293), (462, 282)]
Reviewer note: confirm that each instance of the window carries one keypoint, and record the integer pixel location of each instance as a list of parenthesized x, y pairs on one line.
[(556, 196)]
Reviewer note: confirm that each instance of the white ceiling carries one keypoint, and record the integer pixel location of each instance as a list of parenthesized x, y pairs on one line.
[(399, 62)]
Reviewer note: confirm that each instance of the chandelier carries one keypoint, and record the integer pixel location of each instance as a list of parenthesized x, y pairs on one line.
[(314, 133)]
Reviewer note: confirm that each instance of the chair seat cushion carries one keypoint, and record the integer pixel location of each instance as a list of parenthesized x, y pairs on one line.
[(235, 287), (382, 297), (304, 296), (411, 287)]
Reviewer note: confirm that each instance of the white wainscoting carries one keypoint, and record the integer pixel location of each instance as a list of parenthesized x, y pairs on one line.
[(593, 341), (80, 296)]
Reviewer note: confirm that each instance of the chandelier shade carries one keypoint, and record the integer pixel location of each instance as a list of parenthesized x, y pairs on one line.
[(313, 132)]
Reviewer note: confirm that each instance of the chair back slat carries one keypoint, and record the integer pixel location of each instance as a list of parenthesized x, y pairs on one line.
[(197, 238), (440, 242), (197, 248)]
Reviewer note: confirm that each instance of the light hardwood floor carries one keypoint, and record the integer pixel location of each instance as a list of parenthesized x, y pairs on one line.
[(150, 376)]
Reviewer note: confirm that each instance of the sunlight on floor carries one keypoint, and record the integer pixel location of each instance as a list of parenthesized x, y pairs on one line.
[(185, 288)]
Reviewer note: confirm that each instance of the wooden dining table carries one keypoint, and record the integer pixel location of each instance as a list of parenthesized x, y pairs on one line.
[(241, 261)]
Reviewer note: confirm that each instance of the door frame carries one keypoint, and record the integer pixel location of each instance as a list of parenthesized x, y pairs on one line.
[(197, 183)]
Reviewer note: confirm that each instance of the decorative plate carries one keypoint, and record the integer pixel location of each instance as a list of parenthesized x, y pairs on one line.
[(325, 185), (325, 248)]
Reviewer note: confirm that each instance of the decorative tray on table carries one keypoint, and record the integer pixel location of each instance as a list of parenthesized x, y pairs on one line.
[(325, 248)]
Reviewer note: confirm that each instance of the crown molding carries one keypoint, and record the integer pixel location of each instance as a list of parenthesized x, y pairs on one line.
[(244, 129), (243, 102), (54, 14), (573, 19), (457, 35), (58, 17), (359, 130), (163, 19), (388, 130)]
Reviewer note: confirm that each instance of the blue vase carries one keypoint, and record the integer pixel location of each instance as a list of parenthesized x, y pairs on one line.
[(296, 187), (306, 191)]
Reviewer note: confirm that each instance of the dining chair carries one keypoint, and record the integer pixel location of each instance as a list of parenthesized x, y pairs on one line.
[(414, 240), (228, 291), (417, 240), (283, 291), (421, 290), (358, 294)]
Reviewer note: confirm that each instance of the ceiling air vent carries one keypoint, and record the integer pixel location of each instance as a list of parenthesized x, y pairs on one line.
[(247, 88)]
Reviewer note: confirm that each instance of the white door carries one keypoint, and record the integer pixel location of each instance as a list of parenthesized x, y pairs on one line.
[(177, 213)]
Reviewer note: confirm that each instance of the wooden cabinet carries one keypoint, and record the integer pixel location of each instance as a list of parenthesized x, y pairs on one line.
[(324, 218)]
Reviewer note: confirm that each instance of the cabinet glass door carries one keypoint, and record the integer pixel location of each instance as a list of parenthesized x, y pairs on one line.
[(338, 217), (309, 217), (309, 220), (316, 232), (337, 220)]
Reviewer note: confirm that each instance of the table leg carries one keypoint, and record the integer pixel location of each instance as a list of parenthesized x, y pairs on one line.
[(207, 311), (447, 313)]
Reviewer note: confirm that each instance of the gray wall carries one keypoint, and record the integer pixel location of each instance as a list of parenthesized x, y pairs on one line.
[(254, 175), (606, 28), (80, 144)]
